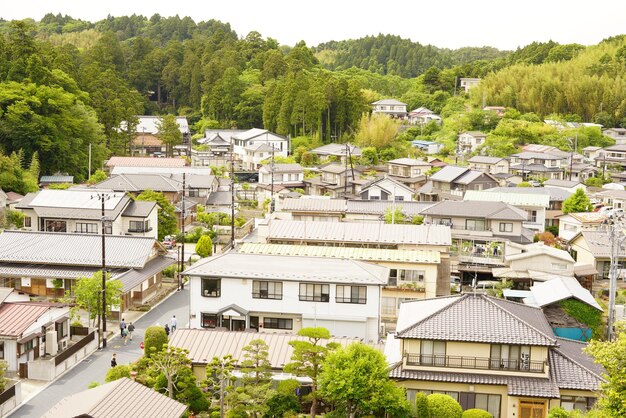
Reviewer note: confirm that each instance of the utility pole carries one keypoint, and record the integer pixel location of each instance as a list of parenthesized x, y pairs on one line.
[(272, 181), (616, 241), (182, 227), (571, 157), (232, 197), (345, 177), (89, 174), (103, 197)]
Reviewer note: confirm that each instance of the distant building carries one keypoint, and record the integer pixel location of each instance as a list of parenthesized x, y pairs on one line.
[(390, 107), (429, 147), (491, 165), (618, 134), (469, 141), (422, 116), (146, 139), (467, 83)]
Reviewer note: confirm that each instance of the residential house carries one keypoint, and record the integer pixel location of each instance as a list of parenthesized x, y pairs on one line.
[(413, 273), (582, 171), (590, 153), (451, 183), (336, 152), (592, 250), (376, 210), (615, 155), (256, 145), (121, 397), (30, 330), (422, 116), (572, 223), (45, 181), (428, 147), (146, 139), (335, 180), (386, 188), (12, 199), (618, 134), (567, 185), (47, 264), (498, 110), (390, 107), (469, 141), (467, 83), (613, 198), (537, 165), (205, 344), (491, 165), (215, 150), (165, 171), (287, 175), (491, 354), (112, 163), (409, 171), (534, 204), (80, 211), (240, 291)]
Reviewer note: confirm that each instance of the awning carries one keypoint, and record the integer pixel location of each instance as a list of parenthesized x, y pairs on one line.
[(585, 270)]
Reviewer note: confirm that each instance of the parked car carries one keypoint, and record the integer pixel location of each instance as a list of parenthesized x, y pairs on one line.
[(169, 242)]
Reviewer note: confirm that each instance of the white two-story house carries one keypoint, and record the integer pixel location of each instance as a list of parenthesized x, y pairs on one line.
[(535, 165), (287, 175), (279, 293), (80, 211), (469, 141), (390, 107)]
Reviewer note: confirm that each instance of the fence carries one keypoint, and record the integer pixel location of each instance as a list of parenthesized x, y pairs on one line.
[(11, 398), (74, 348), (50, 368)]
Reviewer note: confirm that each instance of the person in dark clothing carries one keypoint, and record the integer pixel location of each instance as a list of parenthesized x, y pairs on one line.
[(113, 361), (167, 330)]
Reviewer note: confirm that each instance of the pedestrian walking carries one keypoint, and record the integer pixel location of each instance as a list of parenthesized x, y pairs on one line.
[(122, 327), (131, 329), (167, 330), (125, 335), (113, 361), (173, 323)]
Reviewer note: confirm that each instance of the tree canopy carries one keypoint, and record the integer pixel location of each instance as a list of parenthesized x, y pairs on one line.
[(578, 202)]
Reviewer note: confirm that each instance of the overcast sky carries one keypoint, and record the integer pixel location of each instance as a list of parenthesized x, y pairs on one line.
[(443, 23)]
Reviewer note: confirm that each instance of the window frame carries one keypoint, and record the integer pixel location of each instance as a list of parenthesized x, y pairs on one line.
[(205, 316), (323, 296), (506, 227), (275, 323), (275, 295), (357, 300), (205, 292), (84, 228), (475, 222)]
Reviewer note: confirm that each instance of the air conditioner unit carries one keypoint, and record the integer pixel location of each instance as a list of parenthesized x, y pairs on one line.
[(63, 345), (51, 343)]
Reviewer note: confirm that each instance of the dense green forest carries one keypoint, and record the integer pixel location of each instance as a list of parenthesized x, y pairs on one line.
[(66, 84)]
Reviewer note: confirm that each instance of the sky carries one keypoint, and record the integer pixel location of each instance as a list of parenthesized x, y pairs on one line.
[(443, 23)]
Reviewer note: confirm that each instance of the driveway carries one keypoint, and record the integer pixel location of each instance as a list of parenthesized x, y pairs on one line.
[(94, 367)]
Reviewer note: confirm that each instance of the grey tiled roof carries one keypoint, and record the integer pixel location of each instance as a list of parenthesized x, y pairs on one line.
[(139, 208), (379, 207), (480, 318), (476, 209), (135, 277), (568, 374), (516, 386), (483, 159), (140, 182), (449, 173)]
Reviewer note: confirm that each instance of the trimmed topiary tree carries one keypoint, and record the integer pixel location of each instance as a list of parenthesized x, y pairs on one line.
[(155, 339), (443, 406), (476, 413), (421, 405), (204, 247)]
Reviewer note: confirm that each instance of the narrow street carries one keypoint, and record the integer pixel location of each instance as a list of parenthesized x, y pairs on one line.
[(94, 368)]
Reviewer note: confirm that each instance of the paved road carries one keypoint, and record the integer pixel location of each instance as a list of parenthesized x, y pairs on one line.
[(94, 367)]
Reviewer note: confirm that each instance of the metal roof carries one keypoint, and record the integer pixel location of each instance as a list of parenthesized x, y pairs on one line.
[(409, 161), (151, 124), (314, 205), (204, 344), (56, 179), (562, 288), (349, 253), (539, 248), (359, 232), (337, 149), (141, 182), (145, 162), (294, 268), (281, 168), (392, 102), (561, 183), (120, 398), (135, 277), (587, 217), (554, 193), (472, 209), (15, 318), (449, 173), (480, 318), (512, 198), (166, 171), (483, 159), (55, 248), (527, 155), (139, 208), (390, 188), (380, 207)]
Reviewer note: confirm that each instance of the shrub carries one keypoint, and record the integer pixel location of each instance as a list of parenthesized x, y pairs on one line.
[(553, 229), (117, 372), (154, 340), (93, 385), (421, 405), (476, 413), (558, 413), (443, 406), (204, 247)]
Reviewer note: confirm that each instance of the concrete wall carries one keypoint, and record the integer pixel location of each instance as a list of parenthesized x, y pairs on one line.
[(13, 402), (45, 369)]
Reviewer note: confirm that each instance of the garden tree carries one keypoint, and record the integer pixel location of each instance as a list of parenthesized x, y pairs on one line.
[(117, 372), (256, 381), (476, 413), (440, 405), (578, 202), (524, 184), (204, 247), (13, 177), (369, 156), (219, 376), (185, 387), (395, 216), (378, 131), (585, 314), (170, 363), (3, 370), (356, 380), (284, 401), (167, 212), (88, 294), (497, 146), (155, 340), (308, 356), (421, 405), (547, 238), (97, 177), (612, 356), (169, 133)]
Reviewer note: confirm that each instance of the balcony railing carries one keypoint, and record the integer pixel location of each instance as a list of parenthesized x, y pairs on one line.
[(484, 363)]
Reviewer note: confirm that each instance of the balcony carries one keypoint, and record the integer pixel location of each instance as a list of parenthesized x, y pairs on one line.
[(476, 363)]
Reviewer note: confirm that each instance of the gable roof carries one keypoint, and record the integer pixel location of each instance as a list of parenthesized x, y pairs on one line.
[(380, 207), (559, 289), (537, 248), (561, 183), (145, 162), (468, 208), (476, 134), (449, 173), (519, 198), (15, 318), (235, 265), (359, 232), (150, 124), (120, 398), (139, 208), (57, 178), (483, 159), (586, 217), (314, 205), (389, 102), (55, 248), (598, 243), (481, 318), (253, 133), (166, 171), (281, 168), (396, 185), (140, 182), (409, 161), (554, 193), (571, 368), (336, 149)]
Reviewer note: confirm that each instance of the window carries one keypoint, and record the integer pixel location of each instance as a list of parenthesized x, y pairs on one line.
[(56, 226), (138, 226), (208, 320), (506, 227), (569, 227), (532, 215), (582, 403), (27, 222), (399, 198), (405, 275), (27, 346), (314, 292), (267, 290), (193, 192), (388, 306), (86, 228), (484, 401), (277, 323), (211, 288), (510, 357), (433, 353), (351, 294), (559, 266), (61, 328), (475, 224), (445, 221)]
